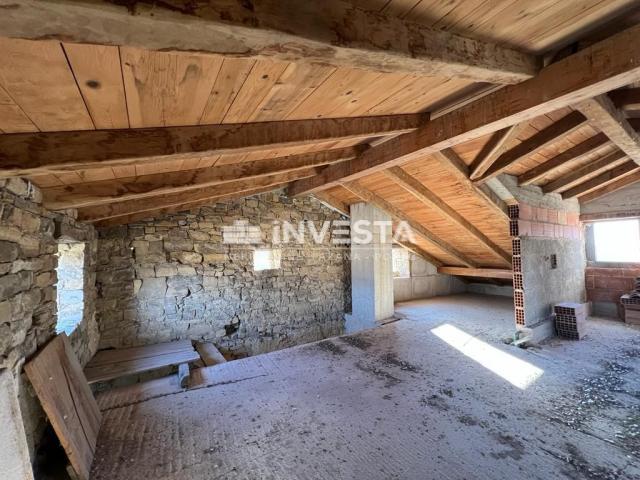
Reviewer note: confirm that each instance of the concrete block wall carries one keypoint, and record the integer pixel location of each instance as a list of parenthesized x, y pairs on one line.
[(29, 236), (424, 282), (174, 278), (548, 256)]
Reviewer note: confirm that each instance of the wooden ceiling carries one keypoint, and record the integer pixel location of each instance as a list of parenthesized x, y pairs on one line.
[(111, 128)]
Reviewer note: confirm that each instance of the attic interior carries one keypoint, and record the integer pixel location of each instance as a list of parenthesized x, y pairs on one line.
[(314, 240)]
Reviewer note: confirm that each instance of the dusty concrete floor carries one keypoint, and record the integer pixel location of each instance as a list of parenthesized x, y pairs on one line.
[(434, 396)]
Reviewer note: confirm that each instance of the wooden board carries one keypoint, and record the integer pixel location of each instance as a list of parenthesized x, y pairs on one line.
[(210, 354), (68, 402), (111, 364)]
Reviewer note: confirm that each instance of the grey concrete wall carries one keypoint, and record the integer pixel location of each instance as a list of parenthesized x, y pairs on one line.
[(371, 268), (489, 289), (29, 236), (544, 286), (424, 282), (624, 200), (174, 277)]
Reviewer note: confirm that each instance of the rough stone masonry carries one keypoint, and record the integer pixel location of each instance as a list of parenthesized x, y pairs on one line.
[(174, 278)]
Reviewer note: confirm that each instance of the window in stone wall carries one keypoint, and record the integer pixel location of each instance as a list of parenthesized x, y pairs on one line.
[(401, 266), (266, 259), (617, 241), (70, 286)]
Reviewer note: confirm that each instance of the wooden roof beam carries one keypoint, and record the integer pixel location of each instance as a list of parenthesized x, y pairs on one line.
[(151, 204), (130, 188), (602, 180), (602, 67), (610, 187), (35, 153), (605, 116), (431, 200), (493, 150), (585, 173), (545, 137), (477, 272), (335, 33), (573, 154), (399, 215)]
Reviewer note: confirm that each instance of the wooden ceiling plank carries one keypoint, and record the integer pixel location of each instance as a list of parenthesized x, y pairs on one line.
[(604, 66), (604, 115), (610, 187), (127, 207), (22, 154), (231, 77), (431, 200), (572, 155), (628, 168), (335, 33), (545, 137), (136, 217), (585, 173), (98, 71), (37, 77), (477, 272), (492, 150), (332, 202), (167, 89), (454, 165), (109, 191), (399, 215)]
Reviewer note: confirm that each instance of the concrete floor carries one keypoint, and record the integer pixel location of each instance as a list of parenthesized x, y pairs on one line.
[(436, 395)]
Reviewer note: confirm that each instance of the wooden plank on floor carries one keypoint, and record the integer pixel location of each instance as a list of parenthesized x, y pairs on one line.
[(110, 371), (116, 355), (68, 402)]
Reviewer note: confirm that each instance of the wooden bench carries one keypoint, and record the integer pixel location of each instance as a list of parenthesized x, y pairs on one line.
[(111, 364)]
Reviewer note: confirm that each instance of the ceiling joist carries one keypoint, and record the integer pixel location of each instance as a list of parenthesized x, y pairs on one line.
[(610, 187), (399, 215), (432, 201), (585, 173), (128, 207), (573, 155), (617, 173), (331, 33), (545, 137), (34, 153), (145, 186), (493, 150)]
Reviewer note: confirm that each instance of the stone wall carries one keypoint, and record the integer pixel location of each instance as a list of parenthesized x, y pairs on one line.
[(29, 236), (175, 278)]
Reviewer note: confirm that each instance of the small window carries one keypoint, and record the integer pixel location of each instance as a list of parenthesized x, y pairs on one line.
[(266, 259), (401, 267), (617, 241), (70, 288)]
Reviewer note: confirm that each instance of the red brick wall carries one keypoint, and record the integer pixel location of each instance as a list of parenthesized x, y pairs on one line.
[(608, 284), (547, 222)]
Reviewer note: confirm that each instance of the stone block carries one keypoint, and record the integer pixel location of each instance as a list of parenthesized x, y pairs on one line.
[(166, 270), (153, 288)]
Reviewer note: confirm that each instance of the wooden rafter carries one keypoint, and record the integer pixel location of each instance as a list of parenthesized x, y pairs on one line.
[(477, 272), (545, 137), (455, 166), (339, 206), (136, 217), (605, 116), (603, 179), (431, 200), (585, 173), (33, 153), (109, 191), (399, 215), (335, 33), (151, 204), (572, 155), (604, 66), (610, 187), (493, 150)]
